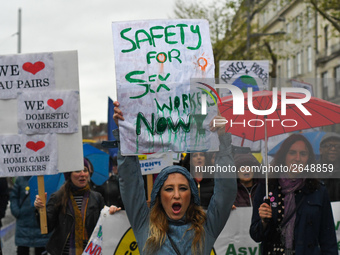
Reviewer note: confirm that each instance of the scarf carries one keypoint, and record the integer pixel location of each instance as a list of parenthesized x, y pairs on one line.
[(79, 233), (289, 186)]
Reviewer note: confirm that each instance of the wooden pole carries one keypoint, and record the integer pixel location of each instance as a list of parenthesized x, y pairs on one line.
[(42, 211)]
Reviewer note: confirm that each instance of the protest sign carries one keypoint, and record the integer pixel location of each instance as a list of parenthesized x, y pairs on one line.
[(154, 163), (155, 61), (25, 81), (244, 74), (48, 112), (28, 155), (234, 238), (26, 72)]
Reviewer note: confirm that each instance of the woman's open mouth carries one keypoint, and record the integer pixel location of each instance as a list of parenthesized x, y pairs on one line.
[(176, 208)]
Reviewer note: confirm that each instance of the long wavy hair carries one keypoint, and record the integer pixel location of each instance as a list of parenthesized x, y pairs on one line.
[(65, 191), (159, 227), (280, 158)]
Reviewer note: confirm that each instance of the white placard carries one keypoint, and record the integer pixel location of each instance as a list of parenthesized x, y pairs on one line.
[(26, 72), (48, 112), (28, 155), (64, 73), (155, 61), (154, 163), (245, 73)]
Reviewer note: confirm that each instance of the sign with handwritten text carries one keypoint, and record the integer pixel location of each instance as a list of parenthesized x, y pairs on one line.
[(155, 61), (26, 72), (48, 112), (245, 73), (28, 155)]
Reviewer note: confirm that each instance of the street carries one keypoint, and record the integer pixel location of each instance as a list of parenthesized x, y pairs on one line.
[(7, 233)]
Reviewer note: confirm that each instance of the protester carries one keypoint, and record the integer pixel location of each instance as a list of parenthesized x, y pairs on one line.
[(246, 183), (72, 213), (205, 185), (4, 194), (110, 189), (27, 230), (299, 219), (330, 155), (175, 220)]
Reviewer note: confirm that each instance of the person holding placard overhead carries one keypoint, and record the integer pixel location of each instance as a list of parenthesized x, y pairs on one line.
[(72, 213), (175, 222)]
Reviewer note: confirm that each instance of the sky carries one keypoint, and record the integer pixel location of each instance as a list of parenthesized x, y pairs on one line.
[(84, 26)]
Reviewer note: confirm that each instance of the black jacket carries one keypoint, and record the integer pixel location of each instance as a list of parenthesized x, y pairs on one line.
[(62, 223)]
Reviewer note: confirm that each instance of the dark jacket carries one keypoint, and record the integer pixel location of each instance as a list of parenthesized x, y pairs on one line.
[(27, 230), (3, 197), (111, 192), (245, 198), (62, 224), (314, 231)]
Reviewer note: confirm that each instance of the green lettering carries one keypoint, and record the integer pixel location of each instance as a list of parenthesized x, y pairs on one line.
[(132, 80), (231, 250), (199, 118), (153, 36), (128, 39), (168, 34), (161, 108), (242, 250), (177, 102), (337, 226), (152, 77), (196, 31), (147, 39), (141, 117), (175, 56), (180, 123), (161, 125), (251, 251), (184, 100), (181, 26)]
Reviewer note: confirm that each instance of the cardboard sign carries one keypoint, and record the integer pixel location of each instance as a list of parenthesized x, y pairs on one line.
[(48, 112), (27, 83), (155, 61), (27, 72), (28, 155)]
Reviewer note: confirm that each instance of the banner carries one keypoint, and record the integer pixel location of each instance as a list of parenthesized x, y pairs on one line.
[(233, 240), (28, 155), (48, 112), (155, 61)]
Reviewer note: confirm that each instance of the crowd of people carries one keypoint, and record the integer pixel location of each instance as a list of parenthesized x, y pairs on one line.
[(187, 212)]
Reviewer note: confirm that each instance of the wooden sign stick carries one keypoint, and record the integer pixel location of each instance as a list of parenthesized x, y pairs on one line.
[(42, 211)]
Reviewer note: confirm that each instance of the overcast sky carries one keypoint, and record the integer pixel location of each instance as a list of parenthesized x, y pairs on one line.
[(85, 26)]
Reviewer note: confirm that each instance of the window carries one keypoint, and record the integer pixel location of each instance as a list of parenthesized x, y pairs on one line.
[(337, 79), (309, 59), (289, 71), (299, 63), (309, 17), (288, 33), (324, 85), (325, 30), (298, 27)]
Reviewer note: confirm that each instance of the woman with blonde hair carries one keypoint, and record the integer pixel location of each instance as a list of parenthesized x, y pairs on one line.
[(175, 224)]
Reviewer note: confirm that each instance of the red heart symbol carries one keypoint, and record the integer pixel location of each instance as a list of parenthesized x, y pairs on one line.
[(33, 68), (35, 146), (55, 104)]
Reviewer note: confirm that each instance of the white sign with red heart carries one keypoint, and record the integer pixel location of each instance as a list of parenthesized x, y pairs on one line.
[(28, 155), (48, 112), (26, 72)]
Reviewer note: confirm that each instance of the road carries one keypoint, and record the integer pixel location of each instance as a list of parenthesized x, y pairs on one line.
[(7, 234)]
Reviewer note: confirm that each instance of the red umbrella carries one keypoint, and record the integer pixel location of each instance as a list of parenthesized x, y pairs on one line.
[(253, 126)]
